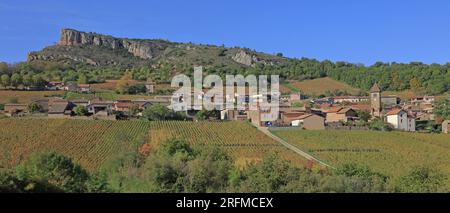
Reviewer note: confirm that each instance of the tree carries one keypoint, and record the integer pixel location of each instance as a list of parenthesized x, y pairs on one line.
[(207, 114), (123, 85), (16, 80), (363, 115), (414, 84), (442, 108), (33, 107), (54, 169), (5, 80), (82, 79), (80, 110), (422, 180), (27, 80), (156, 112)]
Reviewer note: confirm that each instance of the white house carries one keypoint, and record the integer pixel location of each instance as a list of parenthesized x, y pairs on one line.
[(401, 120)]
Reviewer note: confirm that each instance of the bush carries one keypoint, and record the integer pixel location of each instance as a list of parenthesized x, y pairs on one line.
[(54, 169), (422, 180), (9, 183), (80, 110)]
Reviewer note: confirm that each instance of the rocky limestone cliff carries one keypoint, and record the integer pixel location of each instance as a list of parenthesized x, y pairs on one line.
[(142, 49), (102, 50)]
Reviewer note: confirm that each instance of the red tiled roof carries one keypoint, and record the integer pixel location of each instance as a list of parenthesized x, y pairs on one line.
[(394, 112)]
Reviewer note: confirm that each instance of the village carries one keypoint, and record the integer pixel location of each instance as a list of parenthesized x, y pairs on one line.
[(337, 112)]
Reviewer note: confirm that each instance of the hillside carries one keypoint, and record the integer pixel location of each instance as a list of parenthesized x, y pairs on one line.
[(318, 86), (102, 50)]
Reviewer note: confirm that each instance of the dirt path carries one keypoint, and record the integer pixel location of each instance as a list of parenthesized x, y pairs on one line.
[(266, 131)]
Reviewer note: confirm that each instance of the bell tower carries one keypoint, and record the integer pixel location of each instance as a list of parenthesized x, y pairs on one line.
[(375, 100)]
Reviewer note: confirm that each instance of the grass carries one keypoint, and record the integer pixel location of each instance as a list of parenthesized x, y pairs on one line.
[(318, 86), (25, 97), (107, 96), (392, 153)]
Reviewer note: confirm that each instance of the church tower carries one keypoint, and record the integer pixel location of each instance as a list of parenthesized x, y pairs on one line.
[(375, 100)]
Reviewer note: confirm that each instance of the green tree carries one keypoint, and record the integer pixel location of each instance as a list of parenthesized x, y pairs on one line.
[(363, 115), (54, 169), (156, 112), (5, 80), (80, 110), (33, 107), (16, 80), (414, 84), (442, 108), (82, 79), (422, 180)]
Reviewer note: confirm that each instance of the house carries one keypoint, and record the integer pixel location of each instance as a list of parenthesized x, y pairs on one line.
[(42, 103), (15, 109), (236, 115), (261, 117), (446, 126), (340, 114), (55, 85), (123, 105), (81, 88), (401, 120), (349, 99), (422, 99), (80, 102), (59, 108), (142, 104), (322, 101), (295, 97), (361, 107), (100, 108), (288, 117), (150, 87), (71, 87), (84, 88), (389, 101), (310, 122)]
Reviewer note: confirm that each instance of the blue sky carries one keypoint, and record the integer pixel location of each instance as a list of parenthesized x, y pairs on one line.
[(359, 31)]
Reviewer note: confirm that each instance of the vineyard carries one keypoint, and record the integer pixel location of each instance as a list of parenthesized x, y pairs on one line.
[(240, 140), (392, 153), (92, 143)]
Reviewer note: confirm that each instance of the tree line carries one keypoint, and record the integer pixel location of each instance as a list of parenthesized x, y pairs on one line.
[(416, 76)]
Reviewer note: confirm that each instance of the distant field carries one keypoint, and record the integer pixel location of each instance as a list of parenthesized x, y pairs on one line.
[(108, 85), (25, 96), (318, 86), (392, 153), (404, 95), (107, 96), (92, 143)]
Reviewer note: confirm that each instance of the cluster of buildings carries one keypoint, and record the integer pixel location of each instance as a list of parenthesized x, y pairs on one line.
[(320, 113), (96, 109), (294, 111)]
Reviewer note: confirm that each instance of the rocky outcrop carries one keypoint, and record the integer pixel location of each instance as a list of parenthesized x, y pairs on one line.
[(244, 58), (76, 47), (139, 48)]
